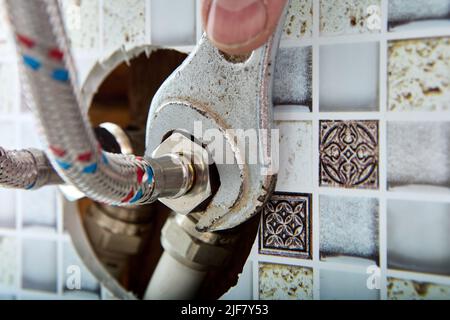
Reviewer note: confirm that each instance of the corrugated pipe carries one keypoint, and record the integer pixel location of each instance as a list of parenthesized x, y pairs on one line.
[(51, 91)]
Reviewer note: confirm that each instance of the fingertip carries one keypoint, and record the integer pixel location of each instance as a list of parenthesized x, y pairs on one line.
[(240, 26)]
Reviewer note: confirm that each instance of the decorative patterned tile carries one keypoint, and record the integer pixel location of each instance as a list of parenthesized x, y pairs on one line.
[(349, 227), (123, 24), (349, 154), (429, 58), (293, 77), (401, 289), (349, 16), (283, 282), (299, 20), (286, 226), (418, 154), (296, 165)]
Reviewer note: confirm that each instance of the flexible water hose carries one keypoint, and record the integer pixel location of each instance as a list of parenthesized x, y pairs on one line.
[(51, 91)]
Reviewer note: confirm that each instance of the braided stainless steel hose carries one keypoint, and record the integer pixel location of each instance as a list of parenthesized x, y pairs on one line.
[(50, 88), (26, 169)]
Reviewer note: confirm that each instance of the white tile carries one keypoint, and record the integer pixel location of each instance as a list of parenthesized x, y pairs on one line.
[(7, 208), (123, 24), (173, 22), (349, 75), (296, 165), (349, 226), (8, 265), (338, 285), (418, 154), (418, 236), (39, 265), (293, 77)]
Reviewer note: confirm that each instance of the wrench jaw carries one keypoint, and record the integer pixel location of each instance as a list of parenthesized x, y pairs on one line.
[(223, 96)]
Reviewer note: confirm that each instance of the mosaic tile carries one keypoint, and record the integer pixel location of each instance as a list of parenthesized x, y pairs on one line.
[(418, 236), (7, 208), (408, 11), (164, 31), (9, 87), (402, 289), (418, 154), (429, 58), (349, 226), (296, 165), (71, 260), (124, 24), (8, 266), (39, 270), (350, 16), (338, 285), (349, 76), (349, 154), (82, 23), (286, 226), (299, 20), (293, 77), (283, 282)]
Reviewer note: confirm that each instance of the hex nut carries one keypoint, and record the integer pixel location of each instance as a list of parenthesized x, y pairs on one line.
[(193, 252), (179, 144)]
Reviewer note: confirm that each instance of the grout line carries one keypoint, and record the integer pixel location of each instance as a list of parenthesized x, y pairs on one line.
[(148, 21)]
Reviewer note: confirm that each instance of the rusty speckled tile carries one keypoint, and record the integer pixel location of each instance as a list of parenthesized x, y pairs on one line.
[(401, 289), (286, 226), (283, 282), (349, 154)]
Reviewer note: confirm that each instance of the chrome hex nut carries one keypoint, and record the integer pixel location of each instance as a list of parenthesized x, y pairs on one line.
[(178, 145)]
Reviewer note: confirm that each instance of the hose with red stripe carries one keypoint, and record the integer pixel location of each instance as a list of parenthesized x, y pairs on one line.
[(50, 88)]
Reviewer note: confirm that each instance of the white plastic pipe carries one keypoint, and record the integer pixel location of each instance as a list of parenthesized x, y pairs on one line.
[(173, 280)]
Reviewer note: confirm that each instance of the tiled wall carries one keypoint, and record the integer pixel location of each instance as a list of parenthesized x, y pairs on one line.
[(362, 208)]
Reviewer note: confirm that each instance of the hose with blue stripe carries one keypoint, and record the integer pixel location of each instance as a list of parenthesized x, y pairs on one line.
[(51, 91)]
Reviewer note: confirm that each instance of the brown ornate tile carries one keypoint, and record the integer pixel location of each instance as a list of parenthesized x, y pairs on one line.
[(286, 226), (349, 154)]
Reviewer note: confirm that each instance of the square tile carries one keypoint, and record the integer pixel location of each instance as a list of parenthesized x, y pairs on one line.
[(82, 21), (349, 77), (429, 58), (72, 262), (173, 22), (286, 226), (414, 15), (339, 17), (296, 150), (339, 285), (299, 20), (349, 227), (283, 282), (8, 265), (9, 93), (418, 236), (7, 208), (402, 289), (418, 154), (39, 270), (123, 24), (349, 154), (292, 84)]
